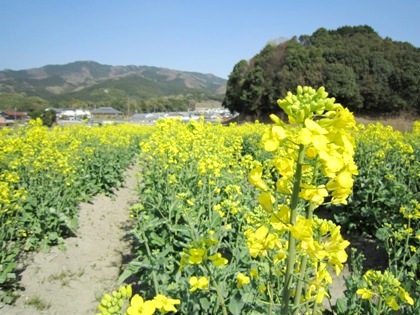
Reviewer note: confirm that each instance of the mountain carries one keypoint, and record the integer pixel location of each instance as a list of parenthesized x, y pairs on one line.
[(91, 82)]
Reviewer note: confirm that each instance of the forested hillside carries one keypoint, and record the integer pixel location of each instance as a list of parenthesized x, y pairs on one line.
[(364, 72), (88, 84)]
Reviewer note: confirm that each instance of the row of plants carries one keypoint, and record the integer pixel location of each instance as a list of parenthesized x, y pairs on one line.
[(385, 206), (227, 219), (44, 175)]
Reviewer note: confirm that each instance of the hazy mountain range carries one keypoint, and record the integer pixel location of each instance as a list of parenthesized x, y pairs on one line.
[(89, 81)]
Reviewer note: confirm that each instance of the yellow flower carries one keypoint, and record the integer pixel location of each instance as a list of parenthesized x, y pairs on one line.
[(279, 219), (406, 297), (196, 255), (164, 304), (241, 280), (254, 273), (344, 179), (218, 260), (285, 166), (272, 138), (262, 288), (255, 178), (365, 293), (302, 230), (201, 283), (266, 201), (314, 194), (284, 186), (140, 307), (260, 240)]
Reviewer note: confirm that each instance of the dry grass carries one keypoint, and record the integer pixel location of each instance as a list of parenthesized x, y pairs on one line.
[(403, 123)]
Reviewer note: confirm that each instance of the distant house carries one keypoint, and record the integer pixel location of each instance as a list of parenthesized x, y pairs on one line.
[(4, 122), (71, 114), (10, 115), (106, 111)]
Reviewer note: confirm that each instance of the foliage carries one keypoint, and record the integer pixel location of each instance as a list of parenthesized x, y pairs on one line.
[(203, 233), (359, 68), (48, 117), (21, 102), (188, 206), (385, 204), (198, 213), (45, 173), (387, 160)]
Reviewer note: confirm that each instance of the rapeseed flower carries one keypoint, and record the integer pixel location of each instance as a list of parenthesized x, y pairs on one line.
[(266, 201), (241, 280), (384, 286), (138, 306), (255, 178), (196, 255), (218, 260), (201, 283), (164, 304)]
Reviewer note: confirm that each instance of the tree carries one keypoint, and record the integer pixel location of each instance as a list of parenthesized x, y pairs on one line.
[(364, 72), (48, 117), (252, 91), (232, 100), (340, 82)]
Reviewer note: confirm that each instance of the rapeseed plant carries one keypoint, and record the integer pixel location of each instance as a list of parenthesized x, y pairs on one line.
[(313, 157)]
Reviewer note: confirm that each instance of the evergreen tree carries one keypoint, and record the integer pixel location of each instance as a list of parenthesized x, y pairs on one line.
[(361, 70)]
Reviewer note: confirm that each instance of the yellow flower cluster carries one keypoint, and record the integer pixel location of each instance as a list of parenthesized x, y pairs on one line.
[(231, 204), (45, 172), (322, 131), (383, 287), (198, 252), (114, 303), (138, 306), (313, 161), (201, 283)]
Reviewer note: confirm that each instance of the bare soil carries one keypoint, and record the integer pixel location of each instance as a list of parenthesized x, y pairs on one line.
[(72, 281)]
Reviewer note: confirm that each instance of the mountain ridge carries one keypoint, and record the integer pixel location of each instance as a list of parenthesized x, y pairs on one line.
[(80, 74), (108, 85)]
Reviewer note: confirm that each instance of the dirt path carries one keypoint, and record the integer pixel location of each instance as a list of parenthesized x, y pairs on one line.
[(71, 281)]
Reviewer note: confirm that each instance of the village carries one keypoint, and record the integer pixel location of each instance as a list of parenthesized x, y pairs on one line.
[(109, 115)]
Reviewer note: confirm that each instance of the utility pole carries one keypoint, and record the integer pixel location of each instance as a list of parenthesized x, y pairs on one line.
[(128, 106)]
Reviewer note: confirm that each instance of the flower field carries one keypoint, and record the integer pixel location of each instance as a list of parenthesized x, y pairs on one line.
[(227, 216), (45, 174)]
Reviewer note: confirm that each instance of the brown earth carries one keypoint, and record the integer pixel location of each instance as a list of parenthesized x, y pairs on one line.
[(72, 281)]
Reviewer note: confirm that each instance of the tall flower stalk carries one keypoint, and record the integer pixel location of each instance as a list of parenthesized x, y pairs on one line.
[(313, 160)]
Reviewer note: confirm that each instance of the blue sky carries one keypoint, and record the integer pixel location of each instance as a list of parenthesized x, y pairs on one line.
[(190, 35)]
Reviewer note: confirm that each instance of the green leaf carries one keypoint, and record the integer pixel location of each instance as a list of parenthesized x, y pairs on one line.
[(382, 234), (235, 306), (205, 303), (341, 305), (247, 297)]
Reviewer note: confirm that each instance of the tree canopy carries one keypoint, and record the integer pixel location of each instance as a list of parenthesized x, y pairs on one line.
[(364, 72)]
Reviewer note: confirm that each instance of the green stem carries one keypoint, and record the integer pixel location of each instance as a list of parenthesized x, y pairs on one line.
[(149, 254), (303, 263), (287, 289), (270, 291), (219, 292)]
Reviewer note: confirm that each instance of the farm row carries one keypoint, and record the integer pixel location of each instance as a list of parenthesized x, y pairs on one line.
[(227, 216), (227, 222), (44, 175)]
